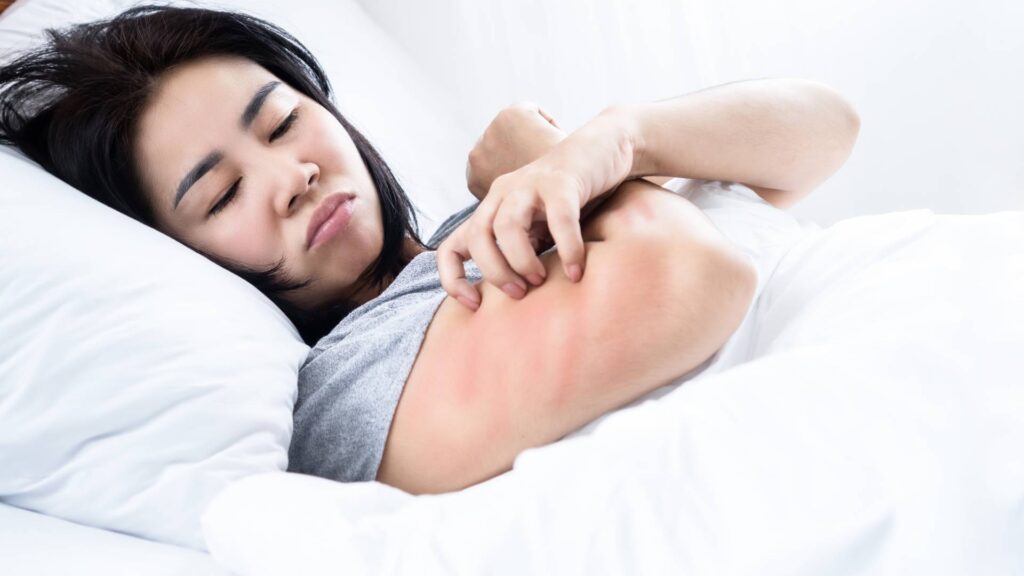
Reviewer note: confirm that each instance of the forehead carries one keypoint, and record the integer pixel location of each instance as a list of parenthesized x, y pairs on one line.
[(199, 91), (219, 75)]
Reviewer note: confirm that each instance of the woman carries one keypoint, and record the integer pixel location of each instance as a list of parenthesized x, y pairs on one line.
[(218, 129)]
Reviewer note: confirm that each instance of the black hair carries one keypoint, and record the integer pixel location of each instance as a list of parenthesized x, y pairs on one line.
[(72, 105)]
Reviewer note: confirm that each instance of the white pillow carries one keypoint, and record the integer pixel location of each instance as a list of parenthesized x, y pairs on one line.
[(137, 379)]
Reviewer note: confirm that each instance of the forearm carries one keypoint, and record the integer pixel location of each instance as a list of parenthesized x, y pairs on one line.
[(775, 133)]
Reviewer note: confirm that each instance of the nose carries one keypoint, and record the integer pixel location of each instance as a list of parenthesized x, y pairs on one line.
[(306, 177)]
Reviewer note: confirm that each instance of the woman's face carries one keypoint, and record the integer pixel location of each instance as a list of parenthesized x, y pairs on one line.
[(221, 121)]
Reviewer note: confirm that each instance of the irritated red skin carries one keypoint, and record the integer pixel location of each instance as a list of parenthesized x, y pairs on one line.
[(553, 384), (513, 396)]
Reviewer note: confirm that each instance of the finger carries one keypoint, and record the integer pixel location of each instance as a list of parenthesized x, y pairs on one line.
[(450, 257), (490, 260), (453, 277), (564, 225), (512, 227)]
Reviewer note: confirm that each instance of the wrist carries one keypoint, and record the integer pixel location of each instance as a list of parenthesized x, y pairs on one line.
[(600, 153), (626, 120)]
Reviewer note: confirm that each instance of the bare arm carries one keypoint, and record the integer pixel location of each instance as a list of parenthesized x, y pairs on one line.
[(664, 290), (781, 137)]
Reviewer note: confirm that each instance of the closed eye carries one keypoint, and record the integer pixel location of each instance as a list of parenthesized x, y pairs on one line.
[(282, 129), (228, 197)]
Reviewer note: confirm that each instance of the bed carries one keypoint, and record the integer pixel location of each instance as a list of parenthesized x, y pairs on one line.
[(865, 430), (853, 429)]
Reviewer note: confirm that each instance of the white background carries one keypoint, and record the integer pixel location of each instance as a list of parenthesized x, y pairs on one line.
[(939, 84)]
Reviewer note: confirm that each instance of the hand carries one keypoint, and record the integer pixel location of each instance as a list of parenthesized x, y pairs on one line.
[(503, 233), (518, 135)]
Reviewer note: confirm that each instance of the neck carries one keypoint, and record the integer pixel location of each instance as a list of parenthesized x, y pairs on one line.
[(409, 251)]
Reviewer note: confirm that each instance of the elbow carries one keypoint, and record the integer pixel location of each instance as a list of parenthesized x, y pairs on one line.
[(850, 122), (739, 276), (709, 296), (708, 299), (731, 278), (846, 125), (850, 115), (836, 129)]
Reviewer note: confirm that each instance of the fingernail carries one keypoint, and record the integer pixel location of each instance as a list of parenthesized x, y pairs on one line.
[(575, 273), (535, 279), (514, 290)]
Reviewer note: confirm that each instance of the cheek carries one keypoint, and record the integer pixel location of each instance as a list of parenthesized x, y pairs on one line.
[(246, 238)]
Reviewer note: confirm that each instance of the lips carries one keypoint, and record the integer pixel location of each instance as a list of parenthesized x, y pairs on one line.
[(324, 212)]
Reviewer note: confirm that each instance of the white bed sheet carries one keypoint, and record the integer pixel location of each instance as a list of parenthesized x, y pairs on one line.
[(39, 545), (876, 430)]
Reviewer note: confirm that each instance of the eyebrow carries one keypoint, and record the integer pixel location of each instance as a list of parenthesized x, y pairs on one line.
[(256, 103), (197, 172), (213, 158)]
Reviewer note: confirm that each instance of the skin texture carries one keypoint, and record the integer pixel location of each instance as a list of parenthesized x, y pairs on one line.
[(196, 109)]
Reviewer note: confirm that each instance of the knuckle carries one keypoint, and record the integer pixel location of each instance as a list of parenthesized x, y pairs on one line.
[(475, 231), (502, 231), (562, 218), (501, 180), (447, 284)]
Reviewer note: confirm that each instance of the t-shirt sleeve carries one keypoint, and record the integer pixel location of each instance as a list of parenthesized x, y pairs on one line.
[(352, 380)]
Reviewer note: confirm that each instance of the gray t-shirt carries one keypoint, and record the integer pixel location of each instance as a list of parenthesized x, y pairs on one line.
[(351, 381)]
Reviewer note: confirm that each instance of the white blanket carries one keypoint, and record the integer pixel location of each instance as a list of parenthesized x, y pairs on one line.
[(877, 428)]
